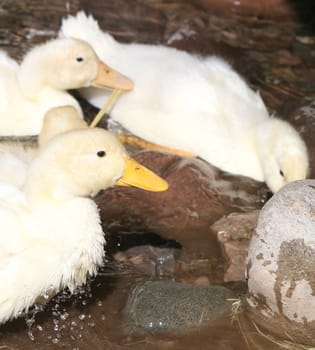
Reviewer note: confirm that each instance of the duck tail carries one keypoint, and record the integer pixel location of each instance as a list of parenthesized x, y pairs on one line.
[(84, 27), (76, 24)]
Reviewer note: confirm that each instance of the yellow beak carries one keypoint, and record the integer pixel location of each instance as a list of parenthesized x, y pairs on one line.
[(111, 79), (139, 176)]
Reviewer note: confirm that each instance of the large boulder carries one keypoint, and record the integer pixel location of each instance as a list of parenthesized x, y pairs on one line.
[(281, 264)]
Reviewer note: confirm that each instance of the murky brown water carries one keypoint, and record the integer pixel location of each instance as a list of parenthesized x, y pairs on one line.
[(276, 55)]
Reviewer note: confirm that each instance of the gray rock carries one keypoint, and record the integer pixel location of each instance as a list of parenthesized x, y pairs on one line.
[(168, 306), (281, 263)]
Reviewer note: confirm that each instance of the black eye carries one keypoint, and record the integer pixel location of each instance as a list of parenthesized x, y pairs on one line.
[(79, 59), (101, 154), (281, 173)]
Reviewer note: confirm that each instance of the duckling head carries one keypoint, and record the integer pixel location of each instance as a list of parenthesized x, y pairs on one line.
[(58, 120), (80, 162), (283, 153), (64, 64)]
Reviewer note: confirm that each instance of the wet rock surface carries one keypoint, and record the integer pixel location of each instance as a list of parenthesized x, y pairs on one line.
[(234, 233), (152, 261), (168, 306), (281, 263)]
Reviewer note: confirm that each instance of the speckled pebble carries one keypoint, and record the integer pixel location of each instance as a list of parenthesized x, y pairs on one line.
[(168, 306)]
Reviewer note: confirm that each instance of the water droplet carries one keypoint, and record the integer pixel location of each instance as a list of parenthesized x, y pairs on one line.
[(64, 316), (99, 303), (30, 335), (81, 317), (55, 340)]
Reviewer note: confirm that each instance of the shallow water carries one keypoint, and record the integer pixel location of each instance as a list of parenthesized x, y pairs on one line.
[(276, 55), (93, 320)]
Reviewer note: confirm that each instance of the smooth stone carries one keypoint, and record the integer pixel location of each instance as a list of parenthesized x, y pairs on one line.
[(281, 264), (172, 307), (234, 232)]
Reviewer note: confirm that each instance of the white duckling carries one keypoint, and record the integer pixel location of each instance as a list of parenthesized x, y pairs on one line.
[(195, 104), (16, 154), (28, 91), (58, 120), (51, 237)]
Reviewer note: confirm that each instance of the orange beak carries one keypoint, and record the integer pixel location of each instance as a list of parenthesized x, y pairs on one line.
[(108, 78), (139, 176)]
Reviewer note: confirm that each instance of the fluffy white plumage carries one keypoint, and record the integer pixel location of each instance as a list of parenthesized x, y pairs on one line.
[(16, 155), (51, 237), (199, 105), (29, 90)]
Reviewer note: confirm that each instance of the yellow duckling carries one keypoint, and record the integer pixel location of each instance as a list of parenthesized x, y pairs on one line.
[(58, 120), (29, 90), (51, 237), (195, 104), (17, 153)]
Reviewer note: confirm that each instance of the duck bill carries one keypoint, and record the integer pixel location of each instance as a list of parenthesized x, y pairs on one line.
[(139, 176), (108, 78)]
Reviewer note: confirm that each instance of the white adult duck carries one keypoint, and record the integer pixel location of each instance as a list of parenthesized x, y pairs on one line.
[(199, 105), (29, 90), (50, 236)]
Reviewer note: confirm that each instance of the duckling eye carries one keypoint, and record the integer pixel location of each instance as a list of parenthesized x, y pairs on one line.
[(281, 173), (101, 154), (79, 59)]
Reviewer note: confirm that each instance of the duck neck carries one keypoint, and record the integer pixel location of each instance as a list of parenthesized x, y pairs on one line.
[(32, 79), (263, 137), (48, 187), (31, 76), (37, 90)]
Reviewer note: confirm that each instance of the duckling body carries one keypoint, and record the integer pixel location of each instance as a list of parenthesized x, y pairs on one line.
[(50, 236), (199, 105), (72, 248), (29, 90)]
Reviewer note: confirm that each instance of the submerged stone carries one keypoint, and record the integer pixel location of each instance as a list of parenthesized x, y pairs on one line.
[(168, 306), (281, 264)]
